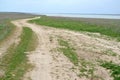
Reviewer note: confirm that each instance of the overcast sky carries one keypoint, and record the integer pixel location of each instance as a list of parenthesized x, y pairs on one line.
[(61, 6)]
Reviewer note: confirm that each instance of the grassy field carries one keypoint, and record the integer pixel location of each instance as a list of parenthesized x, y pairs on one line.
[(105, 27), (68, 51), (15, 61), (6, 27), (15, 15), (87, 68), (114, 69)]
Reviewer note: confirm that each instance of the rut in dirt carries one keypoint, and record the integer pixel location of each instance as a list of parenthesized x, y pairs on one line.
[(43, 57), (50, 64)]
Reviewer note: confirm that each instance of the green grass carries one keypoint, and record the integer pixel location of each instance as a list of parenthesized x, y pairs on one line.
[(114, 69), (15, 61), (77, 25), (6, 29), (86, 69), (68, 51), (109, 53)]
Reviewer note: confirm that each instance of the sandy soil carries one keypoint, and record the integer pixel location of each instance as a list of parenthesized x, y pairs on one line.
[(51, 64), (8, 42), (12, 39)]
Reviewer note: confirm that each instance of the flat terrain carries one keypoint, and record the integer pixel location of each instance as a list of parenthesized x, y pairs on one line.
[(52, 64), (8, 32), (60, 54), (14, 15), (103, 26)]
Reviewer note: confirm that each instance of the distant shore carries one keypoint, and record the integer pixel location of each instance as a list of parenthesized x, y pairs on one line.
[(101, 16)]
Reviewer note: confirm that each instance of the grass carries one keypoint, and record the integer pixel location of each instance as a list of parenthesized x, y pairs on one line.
[(109, 53), (15, 15), (15, 61), (114, 69), (86, 68), (6, 29), (77, 25), (68, 51)]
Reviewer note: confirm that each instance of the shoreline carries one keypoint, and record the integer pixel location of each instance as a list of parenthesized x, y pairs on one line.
[(92, 16)]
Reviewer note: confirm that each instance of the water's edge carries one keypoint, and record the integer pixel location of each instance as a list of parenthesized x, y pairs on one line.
[(102, 16)]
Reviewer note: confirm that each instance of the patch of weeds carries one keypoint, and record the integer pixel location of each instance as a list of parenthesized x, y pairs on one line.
[(78, 25), (33, 42), (15, 62), (110, 53), (114, 69), (87, 69), (68, 51), (6, 28)]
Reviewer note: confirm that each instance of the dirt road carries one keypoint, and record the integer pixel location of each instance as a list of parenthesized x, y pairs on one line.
[(12, 39), (50, 64)]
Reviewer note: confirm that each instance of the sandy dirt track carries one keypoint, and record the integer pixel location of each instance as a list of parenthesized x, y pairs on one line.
[(51, 64), (12, 39), (46, 68)]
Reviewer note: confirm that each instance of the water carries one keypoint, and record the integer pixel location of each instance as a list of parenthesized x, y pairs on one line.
[(103, 16)]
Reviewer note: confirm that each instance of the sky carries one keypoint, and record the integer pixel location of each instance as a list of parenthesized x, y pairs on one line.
[(61, 6)]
